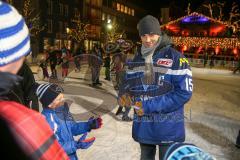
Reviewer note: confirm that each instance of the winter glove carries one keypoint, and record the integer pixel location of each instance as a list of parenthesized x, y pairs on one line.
[(138, 107), (125, 100), (95, 123), (84, 143)]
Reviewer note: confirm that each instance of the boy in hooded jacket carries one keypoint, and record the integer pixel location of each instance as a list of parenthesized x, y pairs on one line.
[(57, 114)]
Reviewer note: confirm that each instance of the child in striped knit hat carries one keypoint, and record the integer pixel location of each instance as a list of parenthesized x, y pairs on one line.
[(56, 111)]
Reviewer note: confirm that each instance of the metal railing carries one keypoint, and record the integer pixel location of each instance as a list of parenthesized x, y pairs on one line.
[(216, 63)]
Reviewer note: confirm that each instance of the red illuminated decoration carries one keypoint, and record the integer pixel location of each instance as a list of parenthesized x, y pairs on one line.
[(184, 48), (217, 50), (195, 34), (235, 51), (199, 49)]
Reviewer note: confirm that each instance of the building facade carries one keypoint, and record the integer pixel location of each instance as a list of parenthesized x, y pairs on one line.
[(123, 13), (56, 17)]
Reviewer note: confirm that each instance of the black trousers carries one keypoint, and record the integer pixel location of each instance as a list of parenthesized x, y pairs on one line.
[(238, 140), (148, 151)]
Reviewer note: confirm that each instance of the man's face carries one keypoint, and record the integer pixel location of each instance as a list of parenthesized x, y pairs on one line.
[(149, 40)]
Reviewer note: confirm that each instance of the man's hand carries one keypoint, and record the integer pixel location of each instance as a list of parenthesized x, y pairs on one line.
[(84, 143), (138, 108)]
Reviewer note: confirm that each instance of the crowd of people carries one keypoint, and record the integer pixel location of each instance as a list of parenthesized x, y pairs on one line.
[(158, 120)]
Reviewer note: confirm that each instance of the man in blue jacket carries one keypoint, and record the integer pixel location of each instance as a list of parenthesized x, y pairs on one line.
[(158, 117)]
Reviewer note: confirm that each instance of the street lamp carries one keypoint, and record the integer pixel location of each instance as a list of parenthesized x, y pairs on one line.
[(68, 30), (109, 26)]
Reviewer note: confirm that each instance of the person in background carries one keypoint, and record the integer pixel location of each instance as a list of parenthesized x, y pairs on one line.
[(56, 111), (64, 61), (52, 58), (96, 63), (212, 59), (107, 62), (43, 66), (205, 58), (238, 67), (118, 67), (25, 134), (238, 140)]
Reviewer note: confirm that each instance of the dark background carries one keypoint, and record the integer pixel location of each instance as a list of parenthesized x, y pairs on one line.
[(179, 7)]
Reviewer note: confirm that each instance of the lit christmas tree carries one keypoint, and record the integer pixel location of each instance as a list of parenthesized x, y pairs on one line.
[(32, 18)]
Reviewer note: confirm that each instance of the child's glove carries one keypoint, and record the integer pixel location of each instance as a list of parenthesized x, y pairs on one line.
[(138, 108), (125, 100), (84, 143), (95, 123)]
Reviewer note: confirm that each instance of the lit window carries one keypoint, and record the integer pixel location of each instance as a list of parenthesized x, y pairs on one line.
[(129, 11), (126, 10), (122, 8), (98, 3), (118, 7), (132, 12), (103, 16), (93, 13), (108, 17)]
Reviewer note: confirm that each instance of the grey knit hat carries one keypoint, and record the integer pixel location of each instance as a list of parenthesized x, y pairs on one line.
[(148, 25)]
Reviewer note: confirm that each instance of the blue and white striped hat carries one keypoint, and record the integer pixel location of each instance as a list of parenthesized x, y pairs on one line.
[(47, 92), (14, 35)]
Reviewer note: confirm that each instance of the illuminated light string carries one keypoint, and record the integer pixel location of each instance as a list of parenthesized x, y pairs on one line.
[(206, 42)]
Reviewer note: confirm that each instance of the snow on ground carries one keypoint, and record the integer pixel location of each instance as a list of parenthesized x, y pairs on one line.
[(215, 112)]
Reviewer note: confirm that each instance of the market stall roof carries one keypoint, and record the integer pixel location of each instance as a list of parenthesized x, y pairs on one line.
[(194, 18), (196, 23)]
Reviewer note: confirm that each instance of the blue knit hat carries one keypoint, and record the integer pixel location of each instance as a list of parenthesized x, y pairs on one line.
[(47, 92), (14, 35)]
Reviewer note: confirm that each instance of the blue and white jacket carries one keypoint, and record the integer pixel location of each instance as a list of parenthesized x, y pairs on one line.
[(163, 119), (64, 128)]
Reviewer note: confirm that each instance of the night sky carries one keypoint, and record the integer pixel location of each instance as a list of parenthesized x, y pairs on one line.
[(179, 6)]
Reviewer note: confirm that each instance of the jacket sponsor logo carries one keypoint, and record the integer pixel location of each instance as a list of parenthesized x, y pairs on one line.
[(183, 60), (165, 62)]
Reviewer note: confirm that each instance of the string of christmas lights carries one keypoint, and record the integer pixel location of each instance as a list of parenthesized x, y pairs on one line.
[(78, 33), (206, 42)]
